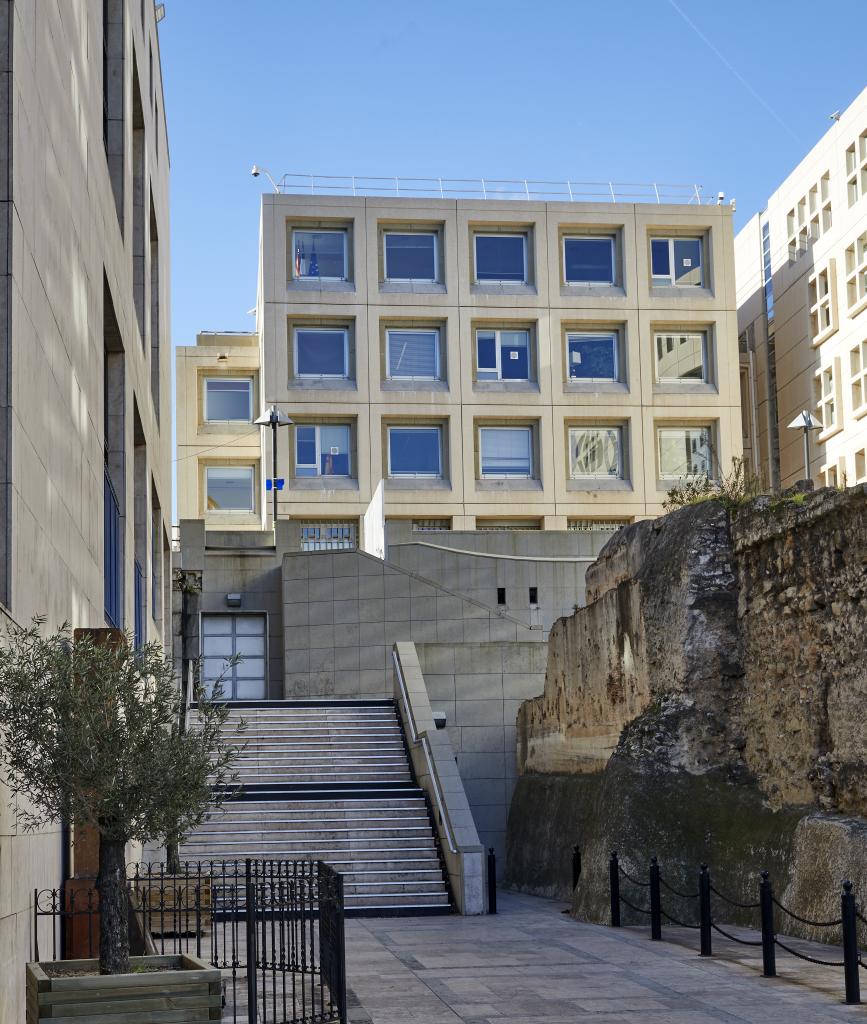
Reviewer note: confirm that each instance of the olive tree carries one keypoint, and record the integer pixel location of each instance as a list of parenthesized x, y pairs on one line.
[(89, 733)]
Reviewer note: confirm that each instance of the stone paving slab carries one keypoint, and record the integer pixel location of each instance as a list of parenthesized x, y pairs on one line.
[(532, 964)]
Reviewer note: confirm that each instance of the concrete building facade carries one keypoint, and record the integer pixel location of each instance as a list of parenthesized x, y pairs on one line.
[(85, 406), (801, 295), (494, 363)]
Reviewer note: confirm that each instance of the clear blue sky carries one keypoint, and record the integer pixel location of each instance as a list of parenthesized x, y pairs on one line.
[(622, 90)]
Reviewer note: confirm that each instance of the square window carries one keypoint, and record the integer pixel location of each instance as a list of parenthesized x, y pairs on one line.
[(596, 453), (588, 260), (501, 259), (410, 256), (506, 452), (502, 355), (234, 636), (228, 400), (322, 450), (415, 452), (676, 261), (320, 255), (322, 352), (229, 488), (684, 452), (413, 354), (681, 357), (592, 357)]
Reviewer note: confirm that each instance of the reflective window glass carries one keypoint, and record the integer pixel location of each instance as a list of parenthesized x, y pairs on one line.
[(588, 260), (411, 256), (320, 254), (595, 452), (681, 357), (592, 356), (228, 399), (506, 451), (321, 352), (229, 488), (414, 452), (684, 452), (413, 355), (501, 258)]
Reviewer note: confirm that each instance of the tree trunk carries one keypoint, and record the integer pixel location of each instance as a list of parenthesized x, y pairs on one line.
[(113, 907), (173, 860)]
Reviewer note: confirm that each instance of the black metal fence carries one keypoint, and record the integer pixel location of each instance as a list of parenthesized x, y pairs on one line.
[(273, 927), (706, 902)]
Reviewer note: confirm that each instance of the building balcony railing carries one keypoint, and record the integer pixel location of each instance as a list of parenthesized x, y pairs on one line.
[(492, 188)]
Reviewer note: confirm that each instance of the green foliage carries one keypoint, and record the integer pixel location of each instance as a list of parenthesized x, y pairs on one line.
[(733, 489), (90, 732)]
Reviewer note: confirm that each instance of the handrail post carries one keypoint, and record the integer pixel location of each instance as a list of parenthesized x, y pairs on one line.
[(576, 866), (704, 911), (614, 886), (850, 944), (492, 881), (766, 902), (655, 902), (250, 915)]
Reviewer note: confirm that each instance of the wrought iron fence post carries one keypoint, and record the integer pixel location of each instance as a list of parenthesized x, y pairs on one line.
[(850, 945), (576, 866), (704, 911), (614, 886), (492, 881), (250, 919), (766, 903), (655, 902)]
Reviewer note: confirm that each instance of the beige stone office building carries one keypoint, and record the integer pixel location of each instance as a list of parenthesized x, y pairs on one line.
[(496, 363), (802, 295), (85, 406)]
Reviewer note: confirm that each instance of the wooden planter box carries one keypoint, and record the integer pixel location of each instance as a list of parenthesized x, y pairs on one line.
[(187, 989)]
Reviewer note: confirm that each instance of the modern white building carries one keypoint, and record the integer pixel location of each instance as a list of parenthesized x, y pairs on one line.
[(802, 295)]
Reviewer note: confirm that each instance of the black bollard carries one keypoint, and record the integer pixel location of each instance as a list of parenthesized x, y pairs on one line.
[(655, 902), (614, 887), (576, 866), (492, 881), (704, 911), (766, 902), (850, 944)]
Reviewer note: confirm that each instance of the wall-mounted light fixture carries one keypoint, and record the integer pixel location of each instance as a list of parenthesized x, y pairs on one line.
[(233, 600)]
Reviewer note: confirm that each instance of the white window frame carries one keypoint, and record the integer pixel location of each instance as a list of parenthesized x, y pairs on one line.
[(498, 341), (620, 458), (321, 330), (435, 331), (322, 231), (415, 426), (858, 377), (229, 380), (705, 358), (827, 399), (823, 305), (661, 429), (856, 275), (506, 476), (590, 238), (499, 234), (306, 465), (614, 336), (411, 280), (668, 280), (231, 511)]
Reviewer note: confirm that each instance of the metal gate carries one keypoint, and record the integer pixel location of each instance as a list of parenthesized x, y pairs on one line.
[(273, 927)]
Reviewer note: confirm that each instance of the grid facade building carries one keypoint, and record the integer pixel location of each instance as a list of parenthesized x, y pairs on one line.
[(496, 364)]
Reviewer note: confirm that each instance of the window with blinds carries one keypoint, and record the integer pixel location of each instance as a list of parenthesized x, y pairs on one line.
[(506, 452), (413, 354)]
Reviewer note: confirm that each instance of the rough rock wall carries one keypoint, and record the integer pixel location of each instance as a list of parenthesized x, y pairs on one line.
[(661, 622), (709, 704), (802, 576)]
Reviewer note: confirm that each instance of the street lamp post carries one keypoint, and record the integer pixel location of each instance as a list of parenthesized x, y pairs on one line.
[(806, 422), (273, 418)]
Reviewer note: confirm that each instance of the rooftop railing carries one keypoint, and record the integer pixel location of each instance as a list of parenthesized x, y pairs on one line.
[(493, 188)]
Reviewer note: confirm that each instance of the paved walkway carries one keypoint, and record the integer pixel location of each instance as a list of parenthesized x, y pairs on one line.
[(531, 964)]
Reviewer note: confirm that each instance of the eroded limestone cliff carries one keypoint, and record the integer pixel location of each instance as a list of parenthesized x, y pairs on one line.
[(709, 703)]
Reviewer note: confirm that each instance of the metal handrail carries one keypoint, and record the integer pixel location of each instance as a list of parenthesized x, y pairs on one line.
[(569, 191), (425, 745)]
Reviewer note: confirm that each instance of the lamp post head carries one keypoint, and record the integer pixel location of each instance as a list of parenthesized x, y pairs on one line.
[(805, 421), (273, 417)]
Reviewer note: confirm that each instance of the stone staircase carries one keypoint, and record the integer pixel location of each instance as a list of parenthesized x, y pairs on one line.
[(330, 780)]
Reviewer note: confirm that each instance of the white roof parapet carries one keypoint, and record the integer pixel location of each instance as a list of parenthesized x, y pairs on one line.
[(493, 188)]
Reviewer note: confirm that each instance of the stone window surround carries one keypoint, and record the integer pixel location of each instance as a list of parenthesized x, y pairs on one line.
[(619, 483), (829, 374), (822, 302), (856, 275), (329, 483), (617, 327), (443, 482), (505, 324), (320, 224), (583, 230), (528, 286), (397, 323), (206, 373), (858, 378), (532, 483), (409, 227), (296, 322), (708, 328), (231, 461), (665, 483)]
